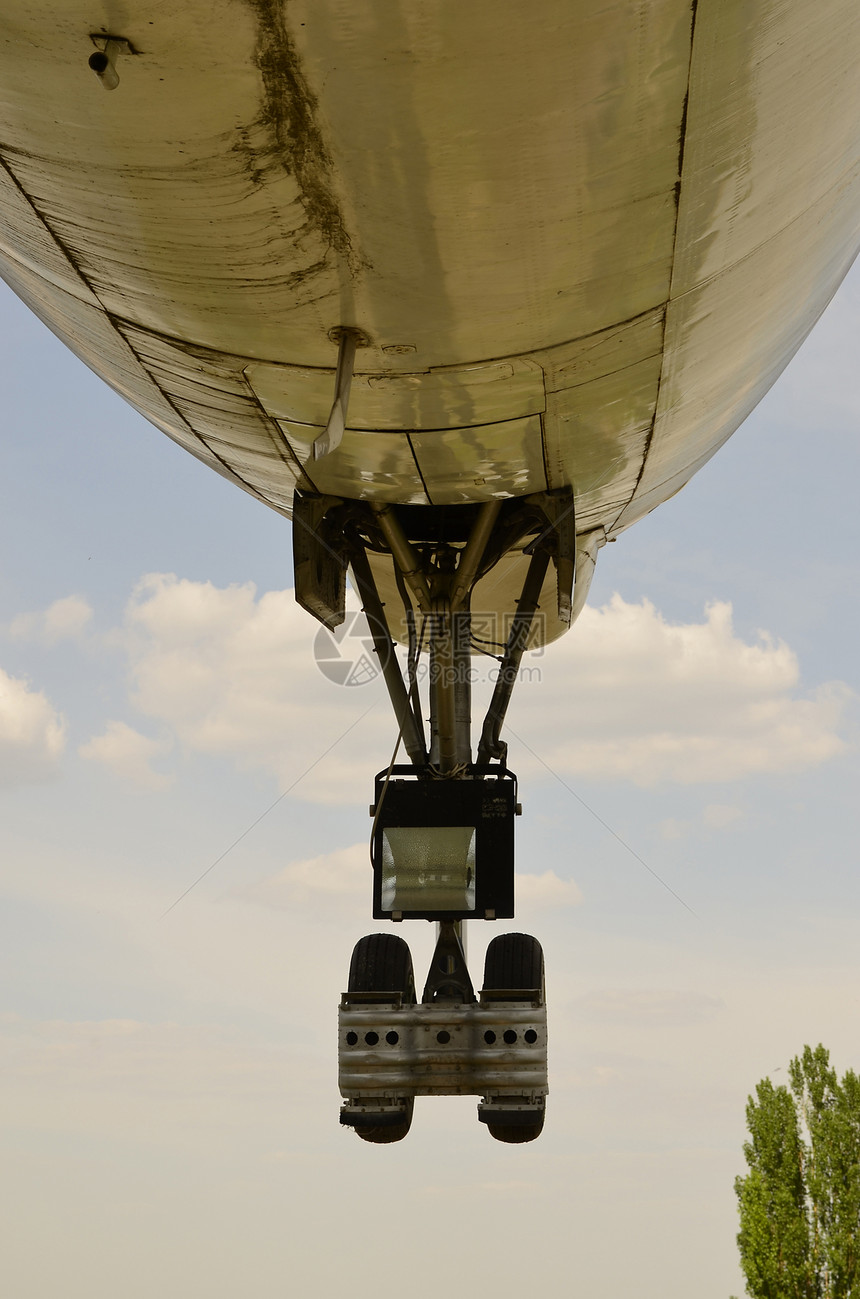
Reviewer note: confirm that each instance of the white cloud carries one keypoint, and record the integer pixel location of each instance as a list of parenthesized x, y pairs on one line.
[(546, 890), (235, 675), (628, 695), (65, 619), (346, 871), (32, 732), (128, 754)]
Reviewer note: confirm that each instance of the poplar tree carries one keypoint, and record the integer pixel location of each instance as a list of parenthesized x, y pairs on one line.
[(799, 1203)]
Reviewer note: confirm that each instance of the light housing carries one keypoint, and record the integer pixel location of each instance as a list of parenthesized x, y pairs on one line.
[(444, 849)]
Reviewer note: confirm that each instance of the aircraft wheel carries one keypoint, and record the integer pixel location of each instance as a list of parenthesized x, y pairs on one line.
[(518, 1127), (383, 963), (381, 1133), (515, 962)]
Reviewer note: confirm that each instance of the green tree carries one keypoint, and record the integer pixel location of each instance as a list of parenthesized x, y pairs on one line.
[(799, 1203)]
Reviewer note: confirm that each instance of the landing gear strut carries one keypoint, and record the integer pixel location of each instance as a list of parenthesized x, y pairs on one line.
[(442, 843)]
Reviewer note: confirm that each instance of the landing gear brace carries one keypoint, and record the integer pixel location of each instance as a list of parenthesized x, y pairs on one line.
[(442, 842)]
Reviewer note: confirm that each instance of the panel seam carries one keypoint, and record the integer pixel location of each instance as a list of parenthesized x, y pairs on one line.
[(681, 150)]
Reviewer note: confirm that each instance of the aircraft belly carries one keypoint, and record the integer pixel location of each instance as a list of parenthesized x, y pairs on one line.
[(367, 465), (720, 360), (581, 241), (768, 220), (482, 463), (476, 430)]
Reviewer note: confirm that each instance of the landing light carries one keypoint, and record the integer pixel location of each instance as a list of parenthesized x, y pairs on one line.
[(428, 867), (444, 848)]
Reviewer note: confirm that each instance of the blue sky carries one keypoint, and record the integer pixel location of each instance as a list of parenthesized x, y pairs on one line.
[(170, 1103)]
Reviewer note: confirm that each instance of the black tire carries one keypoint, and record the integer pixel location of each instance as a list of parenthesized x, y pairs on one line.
[(516, 1133), (514, 961), (382, 1134), (383, 963)]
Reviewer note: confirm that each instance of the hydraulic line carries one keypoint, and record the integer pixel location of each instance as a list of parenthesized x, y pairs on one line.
[(373, 607), (490, 745)]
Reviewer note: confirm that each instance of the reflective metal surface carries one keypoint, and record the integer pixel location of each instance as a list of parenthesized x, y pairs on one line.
[(441, 1049), (579, 241)]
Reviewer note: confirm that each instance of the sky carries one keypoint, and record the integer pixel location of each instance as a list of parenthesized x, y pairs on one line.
[(688, 764)]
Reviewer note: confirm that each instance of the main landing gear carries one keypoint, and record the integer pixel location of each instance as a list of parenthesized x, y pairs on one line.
[(391, 1050), (442, 841)]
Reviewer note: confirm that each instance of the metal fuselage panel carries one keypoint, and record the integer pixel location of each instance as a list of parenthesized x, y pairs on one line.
[(581, 241)]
